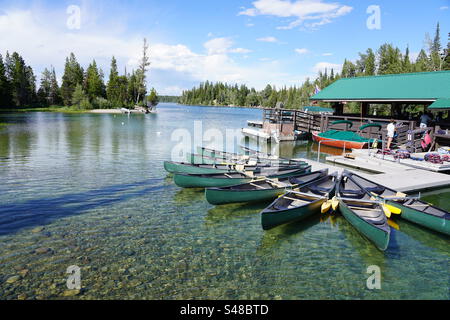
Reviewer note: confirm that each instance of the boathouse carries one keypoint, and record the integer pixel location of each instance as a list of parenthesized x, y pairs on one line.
[(399, 92)]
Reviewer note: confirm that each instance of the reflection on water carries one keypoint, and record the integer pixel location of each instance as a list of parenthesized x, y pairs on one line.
[(90, 190)]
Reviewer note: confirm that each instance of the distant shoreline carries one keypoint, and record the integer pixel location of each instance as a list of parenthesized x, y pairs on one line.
[(209, 106)]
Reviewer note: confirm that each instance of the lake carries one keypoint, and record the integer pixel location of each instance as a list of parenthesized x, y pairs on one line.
[(89, 190)]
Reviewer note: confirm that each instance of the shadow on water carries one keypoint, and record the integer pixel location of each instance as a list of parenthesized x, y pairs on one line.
[(17, 216), (426, 237), (221, 214), (187, 196), (365, 249), (275, 237)]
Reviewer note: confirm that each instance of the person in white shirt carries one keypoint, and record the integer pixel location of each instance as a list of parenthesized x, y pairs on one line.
[(390, 133)]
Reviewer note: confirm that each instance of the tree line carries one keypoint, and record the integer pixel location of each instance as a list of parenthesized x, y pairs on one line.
[(80, 89), (387, 59)]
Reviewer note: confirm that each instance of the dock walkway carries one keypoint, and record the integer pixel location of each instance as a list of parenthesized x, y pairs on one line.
[(404, 179)]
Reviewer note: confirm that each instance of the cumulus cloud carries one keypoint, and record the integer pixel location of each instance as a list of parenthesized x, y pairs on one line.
[(309, 13), (302, 51), (174, 67), (268, 39)]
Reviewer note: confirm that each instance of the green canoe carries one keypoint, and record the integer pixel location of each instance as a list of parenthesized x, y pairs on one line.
[(235, 178), (222, 154), (368, 218), (300, 203), (259, 190), (413, 210), (180, 167), (199, 159)]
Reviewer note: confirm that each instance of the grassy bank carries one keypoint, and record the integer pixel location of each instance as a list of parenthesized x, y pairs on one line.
[(46, 109)]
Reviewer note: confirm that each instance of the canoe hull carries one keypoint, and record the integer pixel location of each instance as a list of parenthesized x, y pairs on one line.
[(425, 220), (220, 197), (338, 143), (192, 181), (272, 219), (172, 167), (376, 235)]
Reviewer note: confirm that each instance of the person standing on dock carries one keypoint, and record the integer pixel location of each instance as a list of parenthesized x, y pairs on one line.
[(425, 120), (390, 133)]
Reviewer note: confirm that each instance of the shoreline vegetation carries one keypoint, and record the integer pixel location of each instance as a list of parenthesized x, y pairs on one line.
[(85, 90)]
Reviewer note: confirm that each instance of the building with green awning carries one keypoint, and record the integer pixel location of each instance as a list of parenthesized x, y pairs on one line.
[(424, 88), (440, 105)]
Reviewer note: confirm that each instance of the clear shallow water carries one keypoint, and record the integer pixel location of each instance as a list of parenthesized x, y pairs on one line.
[(97, 187)]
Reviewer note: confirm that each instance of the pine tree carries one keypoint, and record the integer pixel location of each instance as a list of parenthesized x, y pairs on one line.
[(141, 73), (406, 65), (73, 75), (93, 82), (422, 62), (80, 99), (446, 65), (112, 88), (55, 92), (45, 88), (5, 88), (435, 50), (153, 98), (21, 79)]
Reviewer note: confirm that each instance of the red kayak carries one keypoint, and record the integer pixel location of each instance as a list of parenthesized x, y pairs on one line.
[(340, 139)]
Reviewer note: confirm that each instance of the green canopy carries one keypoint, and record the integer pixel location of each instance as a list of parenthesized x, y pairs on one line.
[(345, 136), (371, 125), (440, 104), (343, 121)]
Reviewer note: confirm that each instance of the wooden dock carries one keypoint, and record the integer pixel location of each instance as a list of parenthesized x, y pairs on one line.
[(404, 179)]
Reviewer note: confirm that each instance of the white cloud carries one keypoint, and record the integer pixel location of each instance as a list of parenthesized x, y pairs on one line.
[(222, 46), (267, 39), (302, 51), (327, 54), (322, 66), (318, 12), (174, 67), (444, 8)]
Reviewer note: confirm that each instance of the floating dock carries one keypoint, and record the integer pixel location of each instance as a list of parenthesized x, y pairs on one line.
[(370, 161), (258, 134), (255, 124), (404, 179)]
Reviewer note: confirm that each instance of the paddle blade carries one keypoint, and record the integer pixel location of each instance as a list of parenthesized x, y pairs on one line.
[(387, 212), (326, 206), (335, 203), (394, 210), (393, 224)]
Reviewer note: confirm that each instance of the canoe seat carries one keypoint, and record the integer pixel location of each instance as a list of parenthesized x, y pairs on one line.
[(319, 190), (353, 192), (375, 216)]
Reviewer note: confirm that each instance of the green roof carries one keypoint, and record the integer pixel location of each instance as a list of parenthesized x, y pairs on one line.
[(441, 104), (422, 86), (316, 109)]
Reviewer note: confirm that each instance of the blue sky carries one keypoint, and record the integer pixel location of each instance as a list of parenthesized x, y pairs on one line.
[(281, 42)]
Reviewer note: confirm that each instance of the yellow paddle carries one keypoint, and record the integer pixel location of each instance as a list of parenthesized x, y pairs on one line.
[(393, 224), (326, 206), (334, 203), (387, 212), (387, 208)]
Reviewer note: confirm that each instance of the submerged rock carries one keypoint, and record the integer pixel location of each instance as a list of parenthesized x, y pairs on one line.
[(37, 230), (71, 293), (43, 250), (13, 279)]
